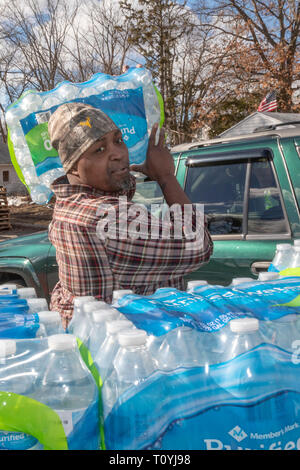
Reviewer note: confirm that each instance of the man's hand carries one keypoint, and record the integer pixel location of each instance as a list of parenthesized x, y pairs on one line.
[(159, 164)]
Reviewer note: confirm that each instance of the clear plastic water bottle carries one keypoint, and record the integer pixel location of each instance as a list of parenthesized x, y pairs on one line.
[(67, 386), (106, 353), (8, 295), (283, 257), (268, 276), (27, 293), (14, 380), (99, 328), (18, 330), (51, 321), (89, 307), (246, 335), (80, 323), (192, 284), (296, 257), (241, 280), (83, 325), (180, 347), (37, 304), (283, 332), (133, 364), (13, 309), (79, 302), (213, 345), (9, 287), (118, 294)]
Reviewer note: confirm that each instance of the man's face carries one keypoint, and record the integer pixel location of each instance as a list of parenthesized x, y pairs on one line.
[(105, 165)]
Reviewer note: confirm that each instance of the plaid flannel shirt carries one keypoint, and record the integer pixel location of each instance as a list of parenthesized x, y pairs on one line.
[(89, 265)]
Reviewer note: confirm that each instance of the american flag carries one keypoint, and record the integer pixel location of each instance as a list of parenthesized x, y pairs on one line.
[(269, 103)]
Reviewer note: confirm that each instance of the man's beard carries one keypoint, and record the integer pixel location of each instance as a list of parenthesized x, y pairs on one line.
[(123, 185)]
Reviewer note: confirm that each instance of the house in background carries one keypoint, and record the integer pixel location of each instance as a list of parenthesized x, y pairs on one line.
[(258, 120), (255, 122), (8, 176)]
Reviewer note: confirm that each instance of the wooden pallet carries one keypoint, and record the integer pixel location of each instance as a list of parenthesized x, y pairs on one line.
[(4, 210)]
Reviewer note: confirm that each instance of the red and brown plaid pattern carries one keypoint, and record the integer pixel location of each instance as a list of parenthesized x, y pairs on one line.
[(90, 266)]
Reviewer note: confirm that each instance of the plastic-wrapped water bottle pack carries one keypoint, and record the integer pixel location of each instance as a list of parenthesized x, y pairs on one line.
[(131, 100), (24, 315), (286, 260), (48, 396), (206, 368)]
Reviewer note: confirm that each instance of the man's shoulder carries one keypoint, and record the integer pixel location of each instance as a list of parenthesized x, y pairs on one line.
[(84, 209)]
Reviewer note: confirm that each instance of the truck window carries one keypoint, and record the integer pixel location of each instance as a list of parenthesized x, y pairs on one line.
[(265, 212), (225, 190), (220, 187)]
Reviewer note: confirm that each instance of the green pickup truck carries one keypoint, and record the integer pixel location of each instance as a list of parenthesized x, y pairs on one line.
[(250, 188)]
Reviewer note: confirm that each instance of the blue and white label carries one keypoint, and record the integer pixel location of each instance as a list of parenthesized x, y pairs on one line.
[(250, 402), (18, 441)]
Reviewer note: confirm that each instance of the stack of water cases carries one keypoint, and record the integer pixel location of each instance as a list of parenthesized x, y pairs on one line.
[(211, 367), (131, 100)]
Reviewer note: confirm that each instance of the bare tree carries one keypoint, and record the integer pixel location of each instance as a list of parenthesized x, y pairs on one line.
[(37, 33), (103, 45), (190, 61), (271, 28)]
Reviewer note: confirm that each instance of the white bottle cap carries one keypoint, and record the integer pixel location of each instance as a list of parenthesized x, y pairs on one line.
[(244, 325), (93, 305), (118, 294), (7, 347), (134, 337), (8, 286), (81, 300), (283, 246), (49, 316), (297, 242), (37, 305), (240, 280), (62, 342), (26, 292), (267, 276), (192, 284), (105, 314), (118, 325)]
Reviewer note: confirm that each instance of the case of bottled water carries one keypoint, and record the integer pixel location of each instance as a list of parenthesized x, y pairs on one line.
[(131, 100), (177, 370), (48, 396), (15, 380), (24, 315), (212, 379)]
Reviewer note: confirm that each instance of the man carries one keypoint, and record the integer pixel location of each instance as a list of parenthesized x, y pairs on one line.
[(96, 162)]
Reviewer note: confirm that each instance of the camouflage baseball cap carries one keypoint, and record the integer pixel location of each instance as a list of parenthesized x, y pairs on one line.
[(74, 127)]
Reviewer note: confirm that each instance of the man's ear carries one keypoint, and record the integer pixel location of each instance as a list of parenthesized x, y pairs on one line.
[(73, 171)]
